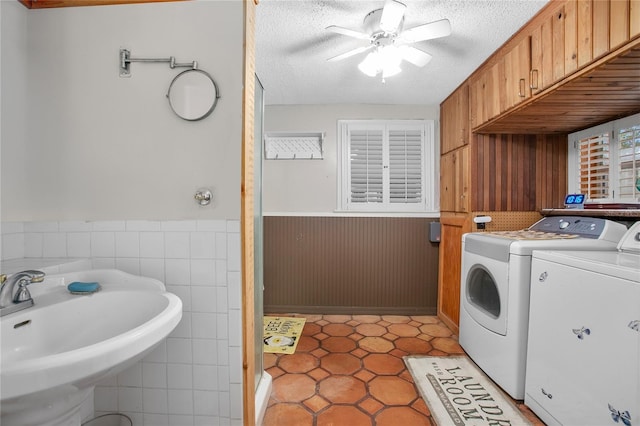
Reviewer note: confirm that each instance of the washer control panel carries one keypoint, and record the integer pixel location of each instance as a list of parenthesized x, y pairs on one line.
[(584, 227)]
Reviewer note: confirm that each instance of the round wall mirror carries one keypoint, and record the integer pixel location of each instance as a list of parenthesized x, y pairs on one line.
[(193, 95)]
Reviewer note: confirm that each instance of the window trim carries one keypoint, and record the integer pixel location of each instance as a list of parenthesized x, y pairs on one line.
[(429, 165)]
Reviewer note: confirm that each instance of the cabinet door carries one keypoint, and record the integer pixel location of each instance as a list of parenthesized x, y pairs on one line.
[(541, 75), (619, 23), (582, 353), (557, 43), (570, 37), (454, 181), (517, 66), (454, 119), (448, 182), (449, 267), (584, 14), (600, 34), (494, 95), (486, 93), (562, 43)]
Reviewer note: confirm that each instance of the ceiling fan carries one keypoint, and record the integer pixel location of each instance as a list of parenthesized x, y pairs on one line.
[(389, 44)]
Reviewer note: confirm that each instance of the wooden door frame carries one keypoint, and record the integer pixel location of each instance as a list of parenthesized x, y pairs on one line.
[(247, 217)]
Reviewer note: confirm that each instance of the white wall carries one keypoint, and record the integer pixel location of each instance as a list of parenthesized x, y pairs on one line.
[(95, 146), (309, 186), (13, 105)]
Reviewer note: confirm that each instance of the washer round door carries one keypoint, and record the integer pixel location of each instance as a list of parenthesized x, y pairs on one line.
[(485, 291)]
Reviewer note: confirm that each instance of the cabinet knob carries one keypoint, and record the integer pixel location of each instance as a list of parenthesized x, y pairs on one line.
[(543, 277), (635, 325), (547, 394), (521, 88), (533, 76)]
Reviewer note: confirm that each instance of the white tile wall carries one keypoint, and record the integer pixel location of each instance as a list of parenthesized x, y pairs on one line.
[(193, 378)]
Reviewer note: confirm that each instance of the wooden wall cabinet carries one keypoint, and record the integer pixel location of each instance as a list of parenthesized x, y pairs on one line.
[(454, 160), (565, 40), (454, 200)]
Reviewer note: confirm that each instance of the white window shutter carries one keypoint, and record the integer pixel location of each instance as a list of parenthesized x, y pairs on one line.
[(594, 166), (406, 158), (385, 165), (366, 166)]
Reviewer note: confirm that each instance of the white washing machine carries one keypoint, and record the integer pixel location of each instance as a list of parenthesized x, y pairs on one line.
[(495, 282), (584, 336)]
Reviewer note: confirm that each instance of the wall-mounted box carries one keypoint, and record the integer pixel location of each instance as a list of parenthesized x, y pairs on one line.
[(293, 145)]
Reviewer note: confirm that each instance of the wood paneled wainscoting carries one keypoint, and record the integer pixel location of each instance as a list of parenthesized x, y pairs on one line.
[(518, 172), (350, 265)]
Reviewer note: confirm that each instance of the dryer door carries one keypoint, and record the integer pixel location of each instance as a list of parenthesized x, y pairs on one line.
[(485, 291)]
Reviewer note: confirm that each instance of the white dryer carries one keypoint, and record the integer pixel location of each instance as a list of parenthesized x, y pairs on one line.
[(583, 356), (494, 288)]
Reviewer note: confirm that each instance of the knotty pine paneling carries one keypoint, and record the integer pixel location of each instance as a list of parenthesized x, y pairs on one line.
[(347, 265), (551, 171), (518, 172)]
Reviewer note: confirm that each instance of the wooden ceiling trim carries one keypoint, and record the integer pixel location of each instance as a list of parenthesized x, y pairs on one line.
[(47, 4)]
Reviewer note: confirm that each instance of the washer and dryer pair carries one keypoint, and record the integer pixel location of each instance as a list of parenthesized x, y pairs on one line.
[(495, 286)]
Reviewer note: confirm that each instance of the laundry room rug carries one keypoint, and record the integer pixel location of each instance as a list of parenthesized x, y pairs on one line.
[(459, 393), (281, 334)]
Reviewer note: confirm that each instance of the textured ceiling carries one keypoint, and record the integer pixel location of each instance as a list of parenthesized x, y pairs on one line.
[(292, 47)]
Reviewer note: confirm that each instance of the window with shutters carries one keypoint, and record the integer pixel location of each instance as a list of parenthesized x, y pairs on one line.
[(386, 166), (604, 161)]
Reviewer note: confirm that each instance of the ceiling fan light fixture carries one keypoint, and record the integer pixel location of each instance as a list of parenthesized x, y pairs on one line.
[(385, 60), (389, 42), (370, 65)]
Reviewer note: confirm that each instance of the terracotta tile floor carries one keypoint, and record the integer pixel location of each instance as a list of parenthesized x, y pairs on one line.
[(348, 371)]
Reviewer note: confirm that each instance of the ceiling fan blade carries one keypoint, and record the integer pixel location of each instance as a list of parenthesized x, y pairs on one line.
[(392, 15), (436, 29), (415, 56), (348, 32), (350, 53)]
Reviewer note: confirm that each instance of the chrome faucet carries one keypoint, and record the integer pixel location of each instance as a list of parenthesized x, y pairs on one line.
[(12, 299)]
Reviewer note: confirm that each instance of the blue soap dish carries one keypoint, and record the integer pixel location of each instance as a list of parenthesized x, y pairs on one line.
[(78, 287)]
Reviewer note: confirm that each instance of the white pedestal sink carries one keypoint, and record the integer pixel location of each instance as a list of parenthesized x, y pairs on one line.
[(54, 353)]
